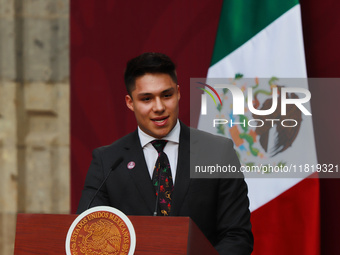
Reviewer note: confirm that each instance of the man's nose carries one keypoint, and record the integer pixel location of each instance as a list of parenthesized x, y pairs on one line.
[(158, 105)]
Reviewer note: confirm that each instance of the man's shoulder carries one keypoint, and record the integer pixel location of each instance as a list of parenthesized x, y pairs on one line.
[(199, 136), (122, 142), (204, 134), (207, 149)]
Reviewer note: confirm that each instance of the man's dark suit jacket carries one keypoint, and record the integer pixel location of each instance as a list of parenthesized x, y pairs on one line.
[(218, 206)]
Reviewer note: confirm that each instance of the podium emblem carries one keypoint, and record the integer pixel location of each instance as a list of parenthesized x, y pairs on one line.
[(101, 230)]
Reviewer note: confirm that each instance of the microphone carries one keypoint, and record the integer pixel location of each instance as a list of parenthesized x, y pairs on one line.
[(113, 167)]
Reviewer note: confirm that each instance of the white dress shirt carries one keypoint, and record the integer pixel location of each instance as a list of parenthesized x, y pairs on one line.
[(170, 149)]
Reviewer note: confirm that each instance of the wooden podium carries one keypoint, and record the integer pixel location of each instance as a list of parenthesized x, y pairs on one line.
[(46, 234)]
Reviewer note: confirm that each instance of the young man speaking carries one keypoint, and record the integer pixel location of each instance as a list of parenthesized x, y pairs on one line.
[(148, 171)]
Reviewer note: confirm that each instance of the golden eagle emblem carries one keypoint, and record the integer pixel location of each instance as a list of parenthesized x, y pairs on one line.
[(285, 136), (103, 237)]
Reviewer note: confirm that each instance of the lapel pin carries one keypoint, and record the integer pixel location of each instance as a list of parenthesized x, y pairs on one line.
[(131, 165)]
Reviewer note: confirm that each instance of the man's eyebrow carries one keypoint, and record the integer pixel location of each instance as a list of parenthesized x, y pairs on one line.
[(168, 90), (150, 94), (144, 94)]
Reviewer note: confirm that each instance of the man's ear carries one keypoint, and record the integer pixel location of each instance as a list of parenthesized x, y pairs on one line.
[(178, 91), (129, 102)]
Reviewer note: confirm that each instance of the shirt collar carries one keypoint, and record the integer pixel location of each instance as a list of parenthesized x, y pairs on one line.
[(173, 136)]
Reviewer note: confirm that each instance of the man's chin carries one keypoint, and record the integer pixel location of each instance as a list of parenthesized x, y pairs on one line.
[(161, 133), (160, 136)]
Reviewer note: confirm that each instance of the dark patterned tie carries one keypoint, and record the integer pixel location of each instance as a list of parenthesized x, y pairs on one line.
[(162, 179)]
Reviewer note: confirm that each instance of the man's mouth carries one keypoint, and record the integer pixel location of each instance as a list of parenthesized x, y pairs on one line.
[(160, 121)]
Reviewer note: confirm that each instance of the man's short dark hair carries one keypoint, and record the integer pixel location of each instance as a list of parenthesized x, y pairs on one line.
[(149, 62)]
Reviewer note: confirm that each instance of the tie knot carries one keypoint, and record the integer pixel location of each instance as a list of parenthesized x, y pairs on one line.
[(159, 145)]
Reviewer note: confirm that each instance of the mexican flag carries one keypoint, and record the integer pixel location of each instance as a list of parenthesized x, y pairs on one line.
[(259, 45)]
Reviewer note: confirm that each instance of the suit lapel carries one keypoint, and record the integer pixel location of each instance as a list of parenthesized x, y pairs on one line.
[(183, 171), (140, 173)]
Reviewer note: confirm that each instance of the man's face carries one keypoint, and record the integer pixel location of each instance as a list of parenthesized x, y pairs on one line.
[(155, 103)]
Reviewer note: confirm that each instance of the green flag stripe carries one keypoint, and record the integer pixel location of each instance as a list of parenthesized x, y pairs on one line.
[(240, 20)]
